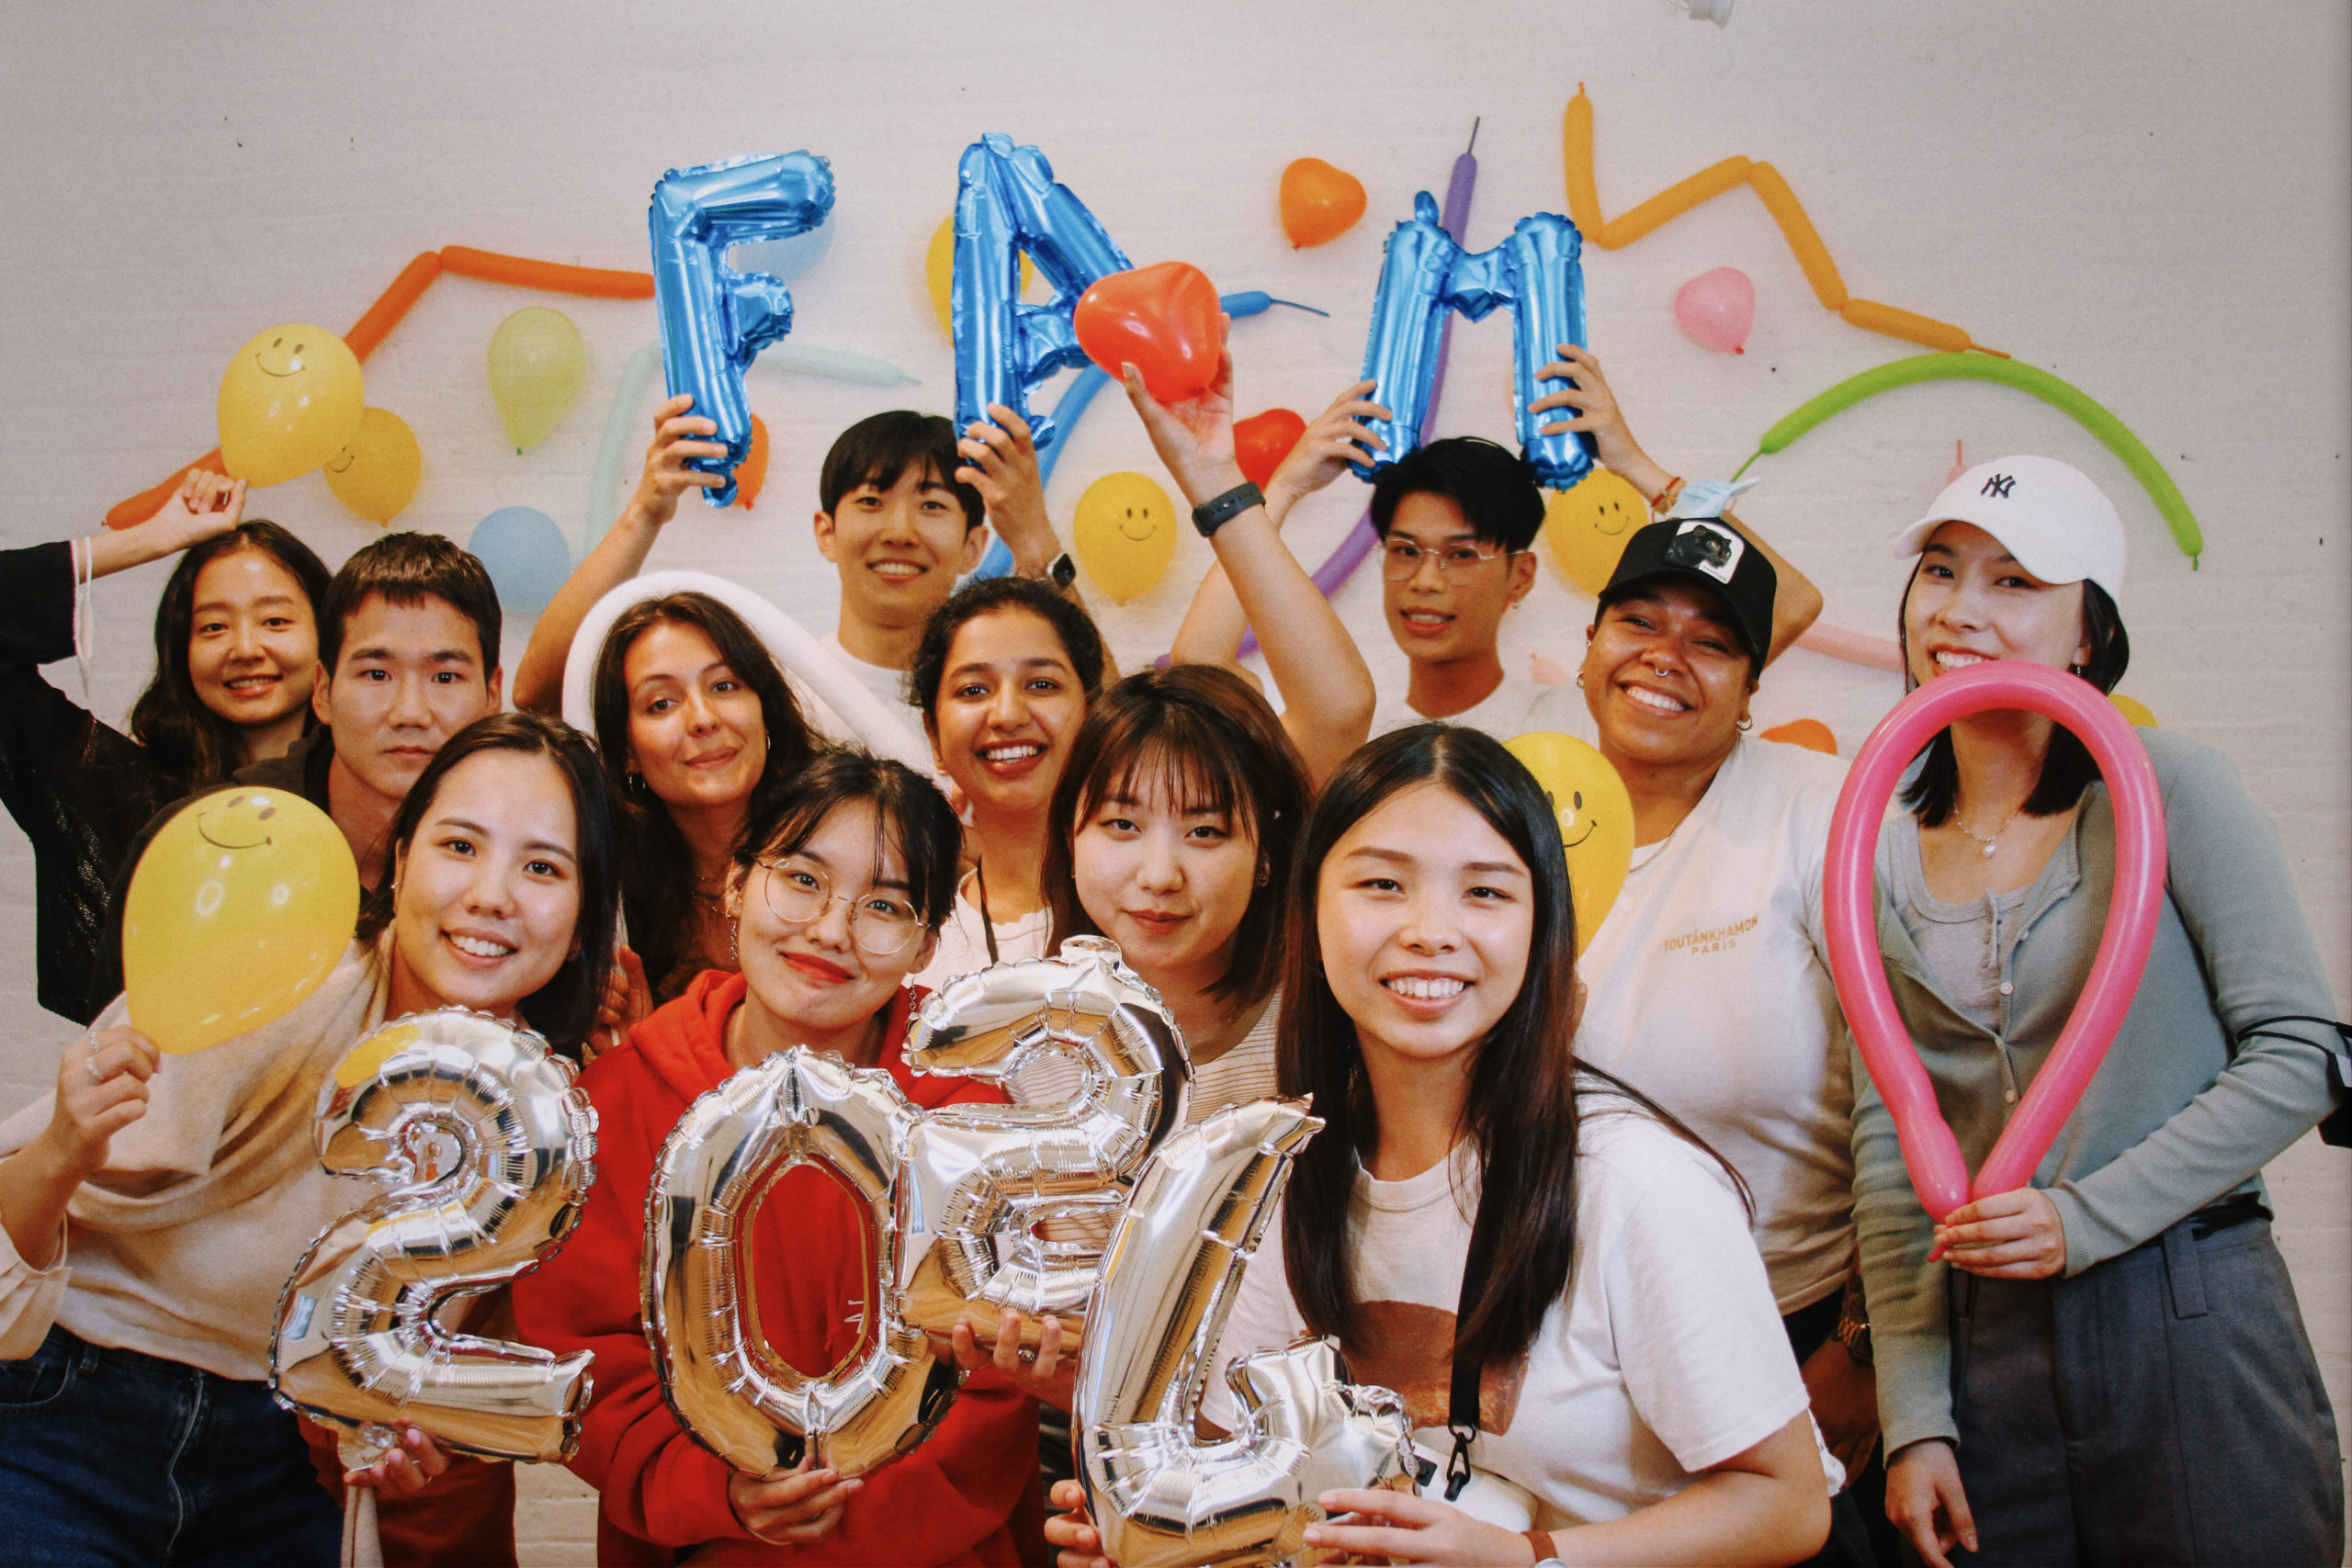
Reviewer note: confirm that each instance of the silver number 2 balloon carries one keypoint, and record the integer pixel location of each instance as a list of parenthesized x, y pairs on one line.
[(1161, 1498), (492, 1151), (984, 1180)]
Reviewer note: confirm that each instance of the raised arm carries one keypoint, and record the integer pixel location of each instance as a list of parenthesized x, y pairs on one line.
[(206, 504), (1796, 603), (621, 554), (1213, 625), (1327, 691)]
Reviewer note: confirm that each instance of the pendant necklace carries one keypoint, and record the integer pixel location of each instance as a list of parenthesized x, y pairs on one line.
[(1990, 842)]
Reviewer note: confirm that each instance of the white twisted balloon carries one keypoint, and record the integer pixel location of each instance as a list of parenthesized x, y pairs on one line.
[(1160, 1498), (492, 1151)]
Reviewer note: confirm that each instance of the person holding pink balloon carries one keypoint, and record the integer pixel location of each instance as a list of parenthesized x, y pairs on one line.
[(2106, 1364), (153, 1208)]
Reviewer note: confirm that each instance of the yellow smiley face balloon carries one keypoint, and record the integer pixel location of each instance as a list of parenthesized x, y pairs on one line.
[(1596, 820), (239, 907), (290, 401), (1588, 524), (1124, 534), (375, 472)]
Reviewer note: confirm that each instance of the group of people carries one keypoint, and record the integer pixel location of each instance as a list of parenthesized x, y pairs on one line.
[(1628, 1231)]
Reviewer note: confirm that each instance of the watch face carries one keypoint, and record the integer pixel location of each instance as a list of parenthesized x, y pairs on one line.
[(1063, 572)]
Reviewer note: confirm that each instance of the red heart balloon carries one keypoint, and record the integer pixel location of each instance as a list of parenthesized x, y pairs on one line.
[(1164, 319), (1263, 441)]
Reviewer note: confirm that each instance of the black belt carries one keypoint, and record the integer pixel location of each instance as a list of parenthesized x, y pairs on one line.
[(2222, 1215)]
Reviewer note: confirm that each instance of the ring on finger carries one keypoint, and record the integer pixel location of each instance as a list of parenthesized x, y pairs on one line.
[(95, 1076), (1028, 1357)]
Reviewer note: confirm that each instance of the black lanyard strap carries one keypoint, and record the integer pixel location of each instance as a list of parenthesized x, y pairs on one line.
[(1462, 1396)]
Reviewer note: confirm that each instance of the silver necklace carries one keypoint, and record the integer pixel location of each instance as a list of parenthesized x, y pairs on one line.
[(1994, 841)]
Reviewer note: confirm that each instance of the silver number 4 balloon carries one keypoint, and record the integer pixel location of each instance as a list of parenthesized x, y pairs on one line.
[(490, 1151)]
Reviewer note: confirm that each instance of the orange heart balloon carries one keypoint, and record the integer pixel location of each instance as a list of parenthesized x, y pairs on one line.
[(751, 473), (1319, 203), (1164, 319), (1263, 441)]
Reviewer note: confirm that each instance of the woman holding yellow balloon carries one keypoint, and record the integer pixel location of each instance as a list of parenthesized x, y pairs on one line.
[(1708, 987), (153, 1208), (236, 644)]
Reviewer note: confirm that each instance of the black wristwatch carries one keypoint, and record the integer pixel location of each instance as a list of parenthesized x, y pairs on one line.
[(1217, 511), (1060, 572)]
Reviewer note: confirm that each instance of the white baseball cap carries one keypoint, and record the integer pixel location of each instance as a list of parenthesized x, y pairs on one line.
[(2048, 514)]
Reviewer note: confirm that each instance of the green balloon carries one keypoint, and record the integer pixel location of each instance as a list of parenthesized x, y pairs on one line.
[(2063, 396)]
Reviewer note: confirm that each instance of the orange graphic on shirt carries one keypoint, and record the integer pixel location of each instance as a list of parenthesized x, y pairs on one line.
[(1409, 1348)]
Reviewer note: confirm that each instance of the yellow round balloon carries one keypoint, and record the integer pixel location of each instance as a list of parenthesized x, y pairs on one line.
[(1124, 534), (290, 400), (239, 907), (1596, 820), (2132, 709), (537, 365), (1588, 524), (939, 273), (375, 472)]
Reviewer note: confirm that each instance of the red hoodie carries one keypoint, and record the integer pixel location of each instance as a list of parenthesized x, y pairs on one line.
[(947, 1502)]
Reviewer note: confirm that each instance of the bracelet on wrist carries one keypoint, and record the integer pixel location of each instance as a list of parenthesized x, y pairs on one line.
[(1665, 497)]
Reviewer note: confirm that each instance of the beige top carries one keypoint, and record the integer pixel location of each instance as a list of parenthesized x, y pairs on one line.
[(180, 1246)]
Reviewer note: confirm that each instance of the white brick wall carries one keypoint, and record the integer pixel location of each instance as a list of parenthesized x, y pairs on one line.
[(2147, 197)]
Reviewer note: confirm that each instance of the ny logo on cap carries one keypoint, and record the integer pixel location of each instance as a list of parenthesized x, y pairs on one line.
[(1998, 486)]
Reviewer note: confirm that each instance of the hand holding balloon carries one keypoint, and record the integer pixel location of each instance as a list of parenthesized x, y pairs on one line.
[(1585, 390), (1001, 462), (2009, 1235), (405, 1469), (627, 1000), (1046, 1373), (794, 1506), (1194, 435), (1403, 1526), (1337, 440), (1071, 1531), (680, 439), (1165, 320)]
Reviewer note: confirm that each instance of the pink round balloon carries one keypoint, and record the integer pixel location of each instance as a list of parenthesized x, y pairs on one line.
[(1717, 309), (1848, 907)]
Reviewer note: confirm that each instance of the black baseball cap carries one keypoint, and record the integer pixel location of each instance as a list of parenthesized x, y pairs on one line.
[(1708, 551)]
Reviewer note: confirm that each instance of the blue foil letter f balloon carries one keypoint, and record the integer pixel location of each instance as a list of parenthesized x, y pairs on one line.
[(1007, 201), (1537, 272), (714, 320)]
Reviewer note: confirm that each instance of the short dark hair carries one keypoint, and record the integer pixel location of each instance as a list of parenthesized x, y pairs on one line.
[(2067, 767), (564, 1009), (1219, 746), (909, 806), (878, 450), (408, 569), (658, 870), (1081, 638), (186, 741), (1494, 487)]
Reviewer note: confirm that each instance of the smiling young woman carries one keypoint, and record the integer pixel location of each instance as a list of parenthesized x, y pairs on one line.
[(150, 1211), (837, 889), (2130, 1304), (236, 646)]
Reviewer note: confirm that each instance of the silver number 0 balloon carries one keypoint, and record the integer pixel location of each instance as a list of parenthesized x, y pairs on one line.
[(491, 1150), (1161, 1498), (982, 1180), (729, 1389)]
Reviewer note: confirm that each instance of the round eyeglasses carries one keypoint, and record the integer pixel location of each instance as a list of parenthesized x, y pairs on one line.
[(881, 923), (1400, 559)]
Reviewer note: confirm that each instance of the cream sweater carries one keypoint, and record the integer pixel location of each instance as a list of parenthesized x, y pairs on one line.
[(180, 1246)]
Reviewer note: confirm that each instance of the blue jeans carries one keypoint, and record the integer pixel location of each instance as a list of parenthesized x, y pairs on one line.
[(109, 1456)]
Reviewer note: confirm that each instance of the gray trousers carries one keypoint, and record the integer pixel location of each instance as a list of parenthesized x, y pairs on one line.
[(2160, 1408)]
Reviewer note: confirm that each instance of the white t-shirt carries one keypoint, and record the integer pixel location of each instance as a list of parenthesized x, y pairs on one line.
[(888, 684), (1664, 1358), (1707, 990), (962, 949), (1503, 714)]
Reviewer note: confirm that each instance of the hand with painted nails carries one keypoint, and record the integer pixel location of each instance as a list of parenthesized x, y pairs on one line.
[(406, 1471), (791, 1506)]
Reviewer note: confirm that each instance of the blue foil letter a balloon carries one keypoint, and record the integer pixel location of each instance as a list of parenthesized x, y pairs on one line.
[(714, 320), (1007, 201), (1536, 273)]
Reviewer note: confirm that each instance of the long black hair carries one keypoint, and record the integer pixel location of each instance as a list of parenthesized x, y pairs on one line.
[(1217, 745), (2067, 767), (564, 1009), (1522, 1112), (187, 741), (658, 870)]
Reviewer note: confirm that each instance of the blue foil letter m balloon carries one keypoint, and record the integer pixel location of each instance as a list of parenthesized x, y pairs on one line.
[(714, 320), (1535, 272), (1007, 201)]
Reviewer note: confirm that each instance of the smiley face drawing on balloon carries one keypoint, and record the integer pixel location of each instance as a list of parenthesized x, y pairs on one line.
[(1121, 534), (290, 401), (1596, 820), (238, 908), (1588, 524)]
